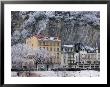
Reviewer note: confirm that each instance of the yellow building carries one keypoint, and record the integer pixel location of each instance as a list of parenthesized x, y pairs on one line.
[(51, 44)]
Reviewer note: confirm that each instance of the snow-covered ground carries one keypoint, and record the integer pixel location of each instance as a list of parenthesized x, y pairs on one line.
[(83, 73)]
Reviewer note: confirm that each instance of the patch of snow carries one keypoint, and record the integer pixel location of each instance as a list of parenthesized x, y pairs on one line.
[(83, 73), (68, 45), (42, 25), (14, 74), (50, 13), (90, 48), (51, 38)]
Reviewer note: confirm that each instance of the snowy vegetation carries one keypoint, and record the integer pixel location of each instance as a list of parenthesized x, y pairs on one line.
[(20, 53), (71, 27)]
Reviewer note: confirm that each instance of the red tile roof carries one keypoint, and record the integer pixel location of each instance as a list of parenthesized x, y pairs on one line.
[(39, 36), (46, 38)]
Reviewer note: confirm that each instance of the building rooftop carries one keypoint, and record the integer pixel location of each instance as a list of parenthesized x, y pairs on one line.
[(42, 37)]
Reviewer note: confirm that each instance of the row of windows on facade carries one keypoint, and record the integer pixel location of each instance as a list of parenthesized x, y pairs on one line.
[(68, 55), (56, 60), (49, 43), (89, 62), (82, 62), (89, 55), (85, 56), (67, 49), (50, 48), (57, 55), (43, 43), (70, 61), (86, 59)]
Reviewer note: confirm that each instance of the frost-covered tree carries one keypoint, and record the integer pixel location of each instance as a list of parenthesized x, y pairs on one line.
[(71, 26), (43, 57), (21, 54), (18, 52)]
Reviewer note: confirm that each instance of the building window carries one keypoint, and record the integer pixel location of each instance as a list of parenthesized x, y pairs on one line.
[(57, 49), (54, 44), (40, 43), (57, 60), (50, 59), (46, 43), (51, 49), (47, 48), (54, 49), (89, 62), (54, 60), (69, 61), (32, 45), (67, 49), (71, 49), (64, 60), (50, 43), (57, 54), (43, 43), (71, 55), (58, 44), (63, 49)]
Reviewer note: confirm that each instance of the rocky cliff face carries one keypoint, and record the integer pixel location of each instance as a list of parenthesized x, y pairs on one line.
[(71, 27)]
